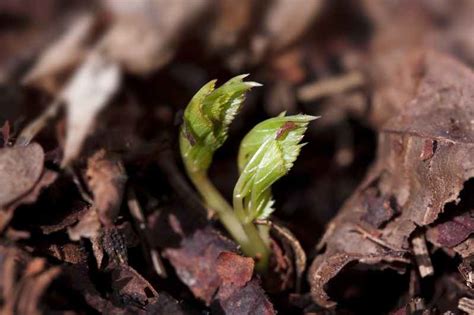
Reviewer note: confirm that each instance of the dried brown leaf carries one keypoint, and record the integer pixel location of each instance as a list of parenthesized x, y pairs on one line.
[(441, 113), (20, 169), (195, 261), (85, 95)]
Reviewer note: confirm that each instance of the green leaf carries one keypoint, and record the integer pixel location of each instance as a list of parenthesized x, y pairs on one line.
[(207, 118), (266, 154)]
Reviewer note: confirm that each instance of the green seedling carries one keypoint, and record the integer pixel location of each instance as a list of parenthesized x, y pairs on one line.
[(266, 154)]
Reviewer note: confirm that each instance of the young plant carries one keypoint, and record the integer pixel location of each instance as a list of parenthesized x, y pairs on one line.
[(267, 153)]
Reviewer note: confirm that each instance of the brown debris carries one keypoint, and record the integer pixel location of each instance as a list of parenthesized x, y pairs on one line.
[(21, 168), (422, 256), (106, 179), (116, 76), (441, 112), (204, 246), (238, 293), (234, 269), (24, 281), (452, 232), (46, 179)]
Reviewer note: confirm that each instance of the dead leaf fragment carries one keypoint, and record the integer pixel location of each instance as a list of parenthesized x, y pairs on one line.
[(195, 261), (20, 169), (234, 269), (106, 179), (238, 292), (85, 95)]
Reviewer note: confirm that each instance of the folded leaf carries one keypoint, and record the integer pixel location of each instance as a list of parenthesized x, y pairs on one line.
[(266, 154), (207, 118)]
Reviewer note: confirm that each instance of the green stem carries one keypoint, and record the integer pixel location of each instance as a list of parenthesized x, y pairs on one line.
[(246, 235)]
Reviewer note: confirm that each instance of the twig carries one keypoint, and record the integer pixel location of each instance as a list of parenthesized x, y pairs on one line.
[(139, 220), (366, 234), (330, 86), (34, 127)]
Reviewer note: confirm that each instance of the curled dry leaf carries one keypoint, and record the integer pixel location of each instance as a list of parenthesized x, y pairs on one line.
[(131, 288), (106, 179), (417, 183), (85, 95)]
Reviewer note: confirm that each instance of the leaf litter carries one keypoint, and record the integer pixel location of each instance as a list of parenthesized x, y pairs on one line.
[(96, 214)]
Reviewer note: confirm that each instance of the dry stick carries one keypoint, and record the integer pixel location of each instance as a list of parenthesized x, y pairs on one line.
[(330, 86), (366, 234), (33, 128), (139, 219), (422, 255)]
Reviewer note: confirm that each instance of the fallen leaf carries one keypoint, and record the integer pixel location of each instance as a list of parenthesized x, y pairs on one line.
[(85, 95), (20, 169), (195, 261), (441, 112)]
